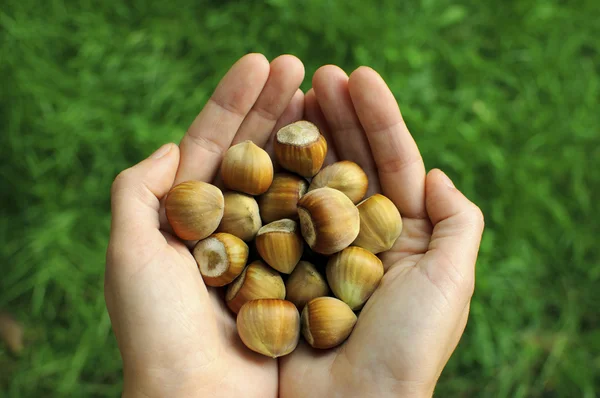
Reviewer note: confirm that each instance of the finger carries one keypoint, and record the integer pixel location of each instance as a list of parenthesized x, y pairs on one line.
[(400, 166), (314, 114), (285, 76), (292, 113), (457, 228), (136, 194), (212, 131), (331, 88)]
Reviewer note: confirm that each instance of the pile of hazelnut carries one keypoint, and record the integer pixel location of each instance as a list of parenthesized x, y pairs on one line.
[(343, 235)]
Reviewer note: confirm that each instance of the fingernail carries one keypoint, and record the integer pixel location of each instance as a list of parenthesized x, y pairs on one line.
[(162, 151), (447, 180)]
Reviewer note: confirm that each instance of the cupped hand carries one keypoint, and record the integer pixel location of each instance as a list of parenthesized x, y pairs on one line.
[(176, 337), (410, 326)]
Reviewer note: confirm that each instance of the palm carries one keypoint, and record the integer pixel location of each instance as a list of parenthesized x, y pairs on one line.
[(209, 327), (187, 319)]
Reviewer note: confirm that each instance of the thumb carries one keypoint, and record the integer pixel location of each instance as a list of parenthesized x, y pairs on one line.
[(136, 194), (457, 229)]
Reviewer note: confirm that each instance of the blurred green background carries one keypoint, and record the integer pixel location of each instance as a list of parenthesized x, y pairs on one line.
[(502, 95)]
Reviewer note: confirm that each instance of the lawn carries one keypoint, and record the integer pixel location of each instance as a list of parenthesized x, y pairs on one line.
[(504, 96)]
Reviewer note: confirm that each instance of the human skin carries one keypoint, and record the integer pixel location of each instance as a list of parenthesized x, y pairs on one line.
[(176, 336)]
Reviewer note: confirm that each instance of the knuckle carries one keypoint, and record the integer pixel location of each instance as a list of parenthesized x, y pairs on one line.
[(477, 216), (267, 113), (121, 181), (210, 145)]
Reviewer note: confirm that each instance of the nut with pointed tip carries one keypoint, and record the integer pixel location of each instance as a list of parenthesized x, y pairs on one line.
[(299, 147), (380, 224), (257, 281), (327, 322), (241, 216), (247, 168), (280, 245), (270, 327), (221, 258), (353, 275), (194, 209), (305, 284), (281, 199), (329, 220), (345, 176)]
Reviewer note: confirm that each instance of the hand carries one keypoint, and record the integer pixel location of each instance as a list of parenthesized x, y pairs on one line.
[(176, 337), (408, 329)]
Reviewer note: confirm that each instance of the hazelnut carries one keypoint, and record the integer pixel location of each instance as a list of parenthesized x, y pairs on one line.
[(300, 148), (280, 245), (353, 275), (380, 224), (241, 216), (281, 199), (194, 209), (247, 168), (270, 327), (221, 258), (345, 176), (327, 322), (304, 284), (257, 281), (329, 220)]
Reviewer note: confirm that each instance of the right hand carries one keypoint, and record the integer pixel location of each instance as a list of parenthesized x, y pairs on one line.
[(410, 326), (176, 336)]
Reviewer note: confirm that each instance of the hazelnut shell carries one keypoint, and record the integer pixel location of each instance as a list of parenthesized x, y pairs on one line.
[(270, 327)]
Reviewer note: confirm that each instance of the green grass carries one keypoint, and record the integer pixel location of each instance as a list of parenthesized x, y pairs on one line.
[(504, 96)]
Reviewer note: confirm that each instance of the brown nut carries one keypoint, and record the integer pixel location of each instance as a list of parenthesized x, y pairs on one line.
[(304, 284), (221, 258), (299, 147), (241, 216), (345, 176), (257, 281), (353, 275), (329, 220), (280, 245), (281, 199), (380, 224), (270, 327), (194, 209), (247, 168), (327, 322)]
